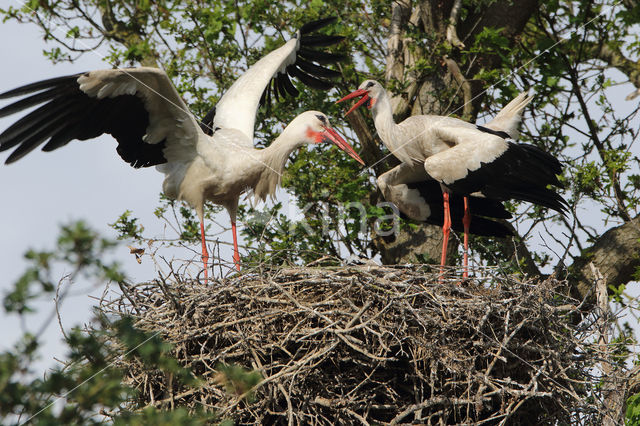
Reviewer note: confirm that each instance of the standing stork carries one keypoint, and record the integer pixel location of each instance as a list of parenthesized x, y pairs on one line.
[(449, 164), (210, 161)]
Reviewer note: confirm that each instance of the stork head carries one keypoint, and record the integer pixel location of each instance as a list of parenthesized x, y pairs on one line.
[(316, 129), (369, 91)]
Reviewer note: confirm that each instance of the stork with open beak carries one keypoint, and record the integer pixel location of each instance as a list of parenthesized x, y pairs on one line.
[(449, 165), (210, 161)]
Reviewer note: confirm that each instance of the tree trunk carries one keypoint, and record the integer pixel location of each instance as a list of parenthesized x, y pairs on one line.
[(616, 254)]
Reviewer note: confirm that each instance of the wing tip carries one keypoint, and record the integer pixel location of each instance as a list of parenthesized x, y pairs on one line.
[(312, 26), (39, 85)]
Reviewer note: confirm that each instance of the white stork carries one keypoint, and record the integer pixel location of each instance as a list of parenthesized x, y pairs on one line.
[(449, 165), (210, 161)]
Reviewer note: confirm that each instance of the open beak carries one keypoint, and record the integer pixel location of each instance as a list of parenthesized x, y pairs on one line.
[(331, 135), (359, 92)]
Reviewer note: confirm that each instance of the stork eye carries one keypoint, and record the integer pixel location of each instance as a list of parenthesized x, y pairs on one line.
[(369, 84), (322, 118)]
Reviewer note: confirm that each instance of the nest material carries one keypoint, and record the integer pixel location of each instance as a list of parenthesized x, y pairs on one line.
[(369, 345)]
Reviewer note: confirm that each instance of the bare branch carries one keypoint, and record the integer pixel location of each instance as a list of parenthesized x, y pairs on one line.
[(614, 254)]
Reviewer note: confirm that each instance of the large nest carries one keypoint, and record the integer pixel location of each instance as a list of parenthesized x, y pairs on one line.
[(370, 345)]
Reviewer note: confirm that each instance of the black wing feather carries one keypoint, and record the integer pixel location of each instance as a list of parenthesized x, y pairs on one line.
[(320, 40), (264, 96), (68, 113), (288, 86), (523, 172), (280, 85), (33, 140), (269, 94), (308, 73), (323, 58), (310, 27), (207, 122), (39, 85), (431, 192), (316, 70), (483, 210), (503, 135), (32, 100), (309, 80), (35, 119), (46, 128), (274, 90)]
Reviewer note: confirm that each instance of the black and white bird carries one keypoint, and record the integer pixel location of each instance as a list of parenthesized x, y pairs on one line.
[(450, 166), (210, 161)]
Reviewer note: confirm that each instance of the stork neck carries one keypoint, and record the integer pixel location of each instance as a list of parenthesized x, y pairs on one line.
[(383, 119), (275, 155)]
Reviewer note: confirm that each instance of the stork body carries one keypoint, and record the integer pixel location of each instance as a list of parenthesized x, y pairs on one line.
[(450, 166), (210, 161)]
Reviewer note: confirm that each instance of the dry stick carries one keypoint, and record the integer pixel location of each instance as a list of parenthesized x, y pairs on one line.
[(280, 387), (283, 372), (173, 397), (357, 416), (126, 291), (428, 403), (362, 350), (510, 411), (298, 363), (162, 283), (57, 307)]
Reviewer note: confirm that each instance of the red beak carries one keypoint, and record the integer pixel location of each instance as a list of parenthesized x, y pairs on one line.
[(331, 135), (359, 92)]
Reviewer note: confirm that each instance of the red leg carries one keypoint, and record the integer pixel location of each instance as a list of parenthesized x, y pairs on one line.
[(446, 229), (236, 253), (466, 221), (205, 253)]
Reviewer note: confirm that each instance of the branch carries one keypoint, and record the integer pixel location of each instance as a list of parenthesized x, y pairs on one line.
[(614, 58), (371, 153), (614, 254), (118, 31), (520, 254), (399, 57), (454, 69), (512, 16), (615, 181), (400, 12), (452, 34)]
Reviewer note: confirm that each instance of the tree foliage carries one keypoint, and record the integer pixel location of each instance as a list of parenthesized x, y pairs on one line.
[(464, 58)]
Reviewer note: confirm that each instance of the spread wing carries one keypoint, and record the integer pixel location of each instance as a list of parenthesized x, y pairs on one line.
[(139, 107), (270, 78)]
